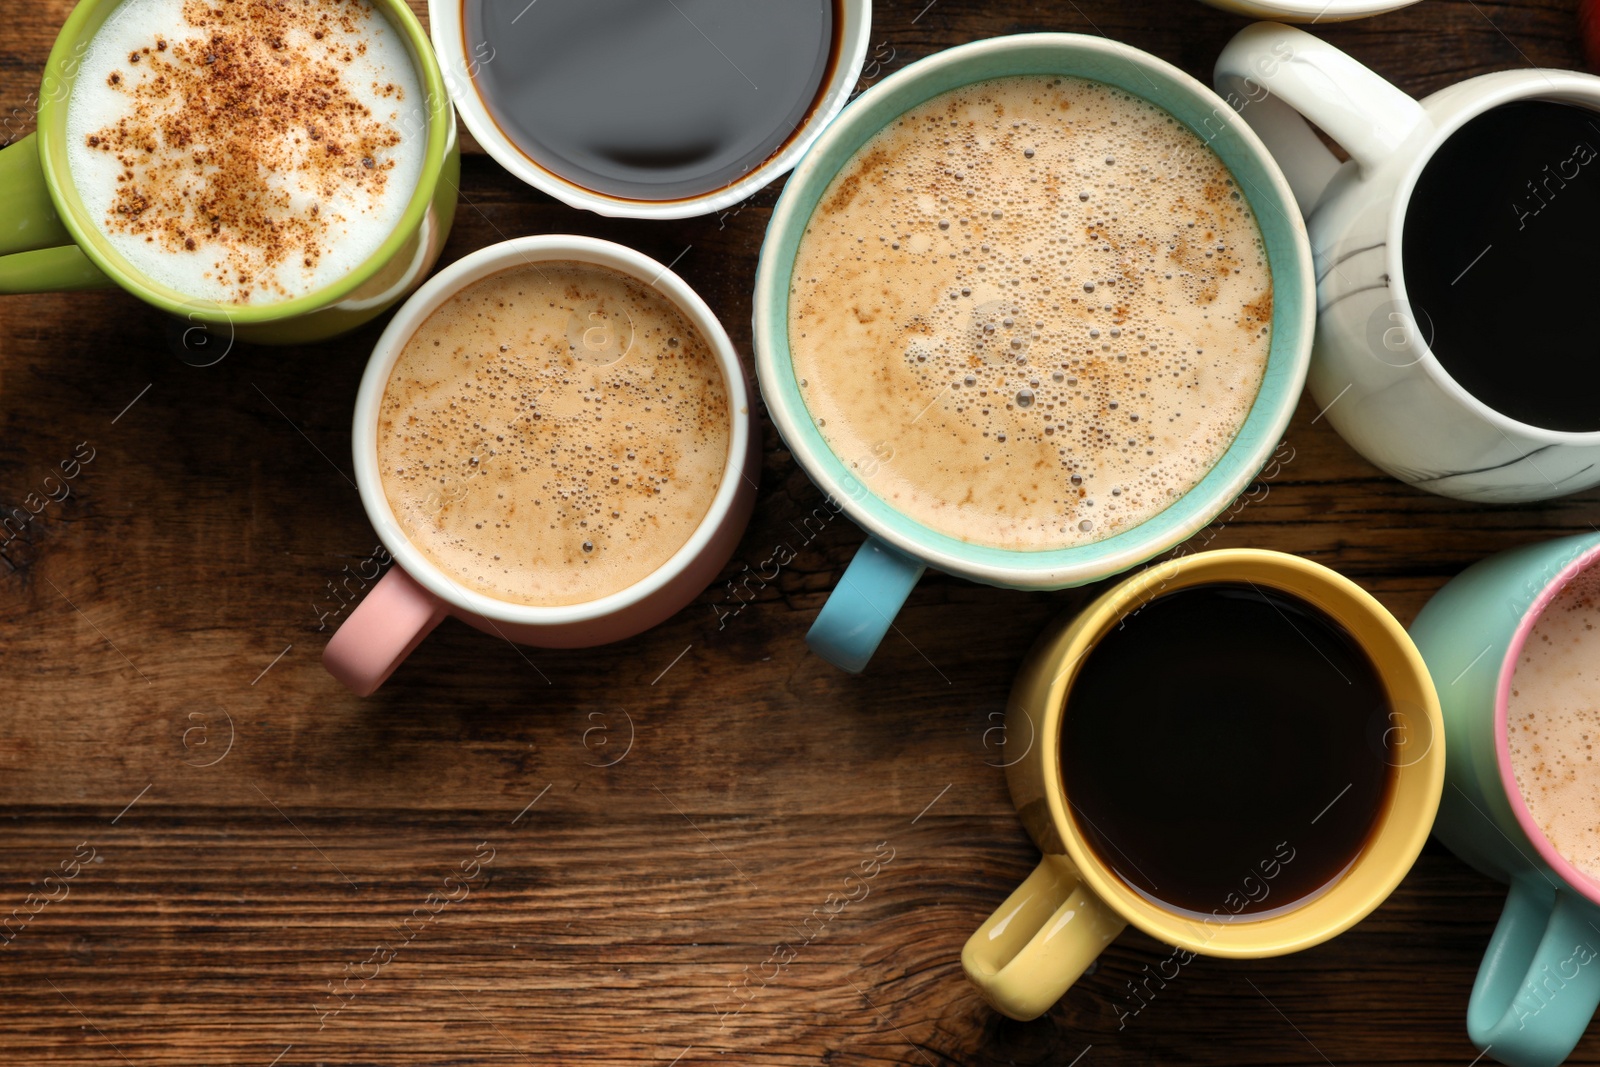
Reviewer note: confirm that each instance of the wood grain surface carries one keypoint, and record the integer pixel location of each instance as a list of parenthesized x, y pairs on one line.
[(255, 849)]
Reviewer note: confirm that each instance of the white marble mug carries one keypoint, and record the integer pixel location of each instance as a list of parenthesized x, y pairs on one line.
[(1310, 10), (1372, 374)]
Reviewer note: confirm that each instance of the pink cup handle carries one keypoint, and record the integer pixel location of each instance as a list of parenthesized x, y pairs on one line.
[(381, 632)]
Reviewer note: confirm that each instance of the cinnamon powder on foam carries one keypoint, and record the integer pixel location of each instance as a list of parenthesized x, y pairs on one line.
[(219, 117)]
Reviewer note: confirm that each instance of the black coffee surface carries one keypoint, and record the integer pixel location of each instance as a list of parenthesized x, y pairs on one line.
[(651, 99), (1502, 261), (1223, 751)]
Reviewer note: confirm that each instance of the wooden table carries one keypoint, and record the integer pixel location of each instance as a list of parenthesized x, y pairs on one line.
[(648, 820)]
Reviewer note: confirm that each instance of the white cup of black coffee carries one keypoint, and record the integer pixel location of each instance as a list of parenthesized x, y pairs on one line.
[(647, 110)]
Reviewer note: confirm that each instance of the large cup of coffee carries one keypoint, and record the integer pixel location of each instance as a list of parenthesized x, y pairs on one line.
[(647, 110), (553, 440), (1033, 310), (1234, 752), (1514, 645), (278, 173), (1449, 351)]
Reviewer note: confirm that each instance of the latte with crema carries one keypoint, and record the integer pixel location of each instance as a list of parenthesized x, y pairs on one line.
[(1031, 313), (553, 434)]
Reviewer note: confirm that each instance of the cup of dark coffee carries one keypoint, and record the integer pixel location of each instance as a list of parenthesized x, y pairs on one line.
[(1234, 752), (1453, 254), (649, 110)]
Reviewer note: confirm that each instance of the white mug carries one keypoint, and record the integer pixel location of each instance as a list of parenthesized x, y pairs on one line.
[(1372, 374), (460, 64), (415, 595)]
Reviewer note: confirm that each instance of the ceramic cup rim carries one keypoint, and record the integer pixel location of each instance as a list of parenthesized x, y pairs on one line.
[(1056, 568), (70, 44), (493, 259), (1311, 11), (1580, 881), (1493, 90), (1401, 835), (445, 24)]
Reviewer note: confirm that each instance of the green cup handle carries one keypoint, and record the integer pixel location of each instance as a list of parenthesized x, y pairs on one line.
[(1539, 983), (37, 254)]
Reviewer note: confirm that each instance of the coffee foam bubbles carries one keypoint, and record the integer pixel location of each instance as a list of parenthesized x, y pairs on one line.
[(246, 152), (1040, 304), (553, 434), (1553, 722)]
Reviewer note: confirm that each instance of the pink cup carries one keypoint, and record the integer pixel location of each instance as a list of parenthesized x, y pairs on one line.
[(415, 596)]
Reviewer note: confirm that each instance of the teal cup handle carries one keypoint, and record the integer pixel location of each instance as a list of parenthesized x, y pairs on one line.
[(1539, 983), (863, 605)]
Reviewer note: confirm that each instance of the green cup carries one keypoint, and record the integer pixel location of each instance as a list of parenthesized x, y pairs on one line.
[(49, 243), (1540, 979), (874, 587)]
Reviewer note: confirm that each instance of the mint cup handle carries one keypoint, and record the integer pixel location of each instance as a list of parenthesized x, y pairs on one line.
[(37, 254), (862, 607), (1539, 983)]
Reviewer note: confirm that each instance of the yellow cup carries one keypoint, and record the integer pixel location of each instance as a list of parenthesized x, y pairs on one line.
[(1037, 943)]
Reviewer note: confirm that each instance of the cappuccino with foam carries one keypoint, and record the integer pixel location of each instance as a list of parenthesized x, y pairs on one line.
[(246, 152), (553, 434), (1031, 313)]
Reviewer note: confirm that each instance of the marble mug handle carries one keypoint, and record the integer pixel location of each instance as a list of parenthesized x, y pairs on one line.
[(1276, 77)]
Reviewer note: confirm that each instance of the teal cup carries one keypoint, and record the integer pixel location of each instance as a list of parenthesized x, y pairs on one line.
[(1539, 982), (897, 550)]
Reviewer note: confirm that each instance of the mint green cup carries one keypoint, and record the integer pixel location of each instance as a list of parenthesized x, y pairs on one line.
[(49, 242), (1539, 982), (898, 549)]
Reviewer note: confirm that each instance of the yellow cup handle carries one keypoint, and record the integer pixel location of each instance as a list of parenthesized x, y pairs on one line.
[(37, 253), (1030, 951)]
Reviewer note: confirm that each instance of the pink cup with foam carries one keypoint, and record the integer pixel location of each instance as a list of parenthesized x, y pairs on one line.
[(415, 595)]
